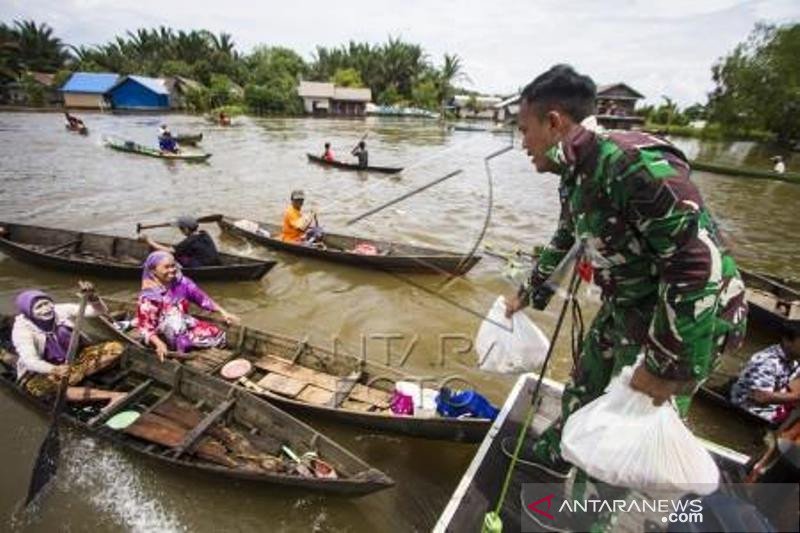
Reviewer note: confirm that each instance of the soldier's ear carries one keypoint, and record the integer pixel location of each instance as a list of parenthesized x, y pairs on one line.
[(554, 120)]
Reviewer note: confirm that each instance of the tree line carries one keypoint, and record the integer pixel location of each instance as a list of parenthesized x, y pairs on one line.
[(756, 91), (396, 71)]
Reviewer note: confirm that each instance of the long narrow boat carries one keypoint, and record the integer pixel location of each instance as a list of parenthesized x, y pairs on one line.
[(135, 148), (749, 172), (774, 302), (190, 420), (310, 380), (480, 487), (105, 255), (352, 166), (189, 138), (719, 395), (390, 256), (83, 130)]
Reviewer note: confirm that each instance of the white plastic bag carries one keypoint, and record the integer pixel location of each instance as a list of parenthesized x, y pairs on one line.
[(509, 345), (623, 439)]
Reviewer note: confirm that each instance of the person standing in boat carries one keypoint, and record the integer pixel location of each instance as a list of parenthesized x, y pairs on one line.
[(40, 337), (197, 249), (327, 155), (296, 227), (360, 151), (769, 384), (670, 290), (162, 314)]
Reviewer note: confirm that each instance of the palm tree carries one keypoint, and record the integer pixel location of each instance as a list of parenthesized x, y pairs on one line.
[(38, 48), (452, 71)]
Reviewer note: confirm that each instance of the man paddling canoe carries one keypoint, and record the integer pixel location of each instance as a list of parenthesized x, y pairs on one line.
[(296, 227), (670, 290), (360, 151), (197, 249)]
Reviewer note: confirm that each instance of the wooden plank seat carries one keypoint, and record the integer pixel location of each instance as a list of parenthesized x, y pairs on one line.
[(316, 387)]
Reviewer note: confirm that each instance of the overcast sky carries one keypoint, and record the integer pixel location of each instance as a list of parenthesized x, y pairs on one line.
[(503, 43)]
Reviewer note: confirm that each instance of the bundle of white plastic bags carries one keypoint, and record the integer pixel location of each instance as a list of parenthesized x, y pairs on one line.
[(509, 345), (622, 438)]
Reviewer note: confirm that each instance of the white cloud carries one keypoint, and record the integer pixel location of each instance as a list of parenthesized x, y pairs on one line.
[(658, 47)]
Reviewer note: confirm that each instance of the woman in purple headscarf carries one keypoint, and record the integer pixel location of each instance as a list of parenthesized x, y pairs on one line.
[(41, 335), (163, 312)]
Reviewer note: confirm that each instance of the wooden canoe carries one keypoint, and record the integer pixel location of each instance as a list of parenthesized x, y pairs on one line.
[(194, 421), (719, 395), (106, 255), (774, 302), (311, 380), (748, 172), (479, 489), (189, 138), (83, 130), (135, 148), (352, 166), (394, 257)]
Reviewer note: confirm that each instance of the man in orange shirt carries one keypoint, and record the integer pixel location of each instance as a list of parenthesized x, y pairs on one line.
[(295, 223)]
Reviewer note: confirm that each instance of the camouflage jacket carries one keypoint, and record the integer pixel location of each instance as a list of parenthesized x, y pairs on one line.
[(654, 248)]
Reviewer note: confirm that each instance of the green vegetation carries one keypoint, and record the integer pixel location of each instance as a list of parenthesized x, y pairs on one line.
[(758, 84), (264, 81), (757, 94)]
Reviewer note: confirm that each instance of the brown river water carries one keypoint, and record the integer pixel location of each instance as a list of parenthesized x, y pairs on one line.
[(54, 178)]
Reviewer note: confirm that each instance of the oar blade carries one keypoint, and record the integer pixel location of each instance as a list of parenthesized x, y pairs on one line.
[(46, 464)]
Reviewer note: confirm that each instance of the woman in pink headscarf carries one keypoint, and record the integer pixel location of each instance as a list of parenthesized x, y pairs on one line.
[(163, 312)]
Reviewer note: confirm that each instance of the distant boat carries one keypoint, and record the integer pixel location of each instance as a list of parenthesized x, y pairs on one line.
[(352, 166), (135, 148), (748, 172)]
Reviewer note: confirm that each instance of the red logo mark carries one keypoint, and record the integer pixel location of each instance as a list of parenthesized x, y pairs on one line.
[(549, 500)]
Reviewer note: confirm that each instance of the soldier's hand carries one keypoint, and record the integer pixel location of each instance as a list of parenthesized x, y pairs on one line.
[(659, 389)]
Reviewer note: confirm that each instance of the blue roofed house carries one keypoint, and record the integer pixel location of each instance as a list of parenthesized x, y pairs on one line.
[(87, 89), (140, 93)]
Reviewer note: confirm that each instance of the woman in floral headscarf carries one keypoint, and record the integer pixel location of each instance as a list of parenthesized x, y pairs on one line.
[(40, 337), (163, 312)]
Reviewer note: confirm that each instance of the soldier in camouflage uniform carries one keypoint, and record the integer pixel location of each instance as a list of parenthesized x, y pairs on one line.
[(670, 290)]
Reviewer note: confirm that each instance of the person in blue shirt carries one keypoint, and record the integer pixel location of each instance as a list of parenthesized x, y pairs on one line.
[(166, 142)]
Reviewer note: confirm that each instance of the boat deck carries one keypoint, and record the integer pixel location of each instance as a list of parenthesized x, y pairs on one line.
[(479, 488)]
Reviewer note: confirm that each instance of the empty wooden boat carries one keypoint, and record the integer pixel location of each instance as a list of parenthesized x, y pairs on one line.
[(88, 253)]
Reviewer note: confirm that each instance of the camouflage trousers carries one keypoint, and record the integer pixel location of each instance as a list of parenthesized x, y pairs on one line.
[(606, 349)]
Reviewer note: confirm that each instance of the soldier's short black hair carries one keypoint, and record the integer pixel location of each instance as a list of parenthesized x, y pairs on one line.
[(563, 89)]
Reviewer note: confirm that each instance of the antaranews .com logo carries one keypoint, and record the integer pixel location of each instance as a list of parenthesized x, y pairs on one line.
[(732, 507)]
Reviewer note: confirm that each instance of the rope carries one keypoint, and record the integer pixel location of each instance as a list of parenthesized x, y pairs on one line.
[(492, 519)]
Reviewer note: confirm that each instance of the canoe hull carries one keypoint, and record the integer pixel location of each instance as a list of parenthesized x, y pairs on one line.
[(151, 152), (24, 249), (423, 260), (252, 344), (249, 410), (191, 139), (351, 166), (792, 177)]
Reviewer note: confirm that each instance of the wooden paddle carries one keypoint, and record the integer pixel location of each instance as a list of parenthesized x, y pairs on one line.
[(201, 220), (46, 465)]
